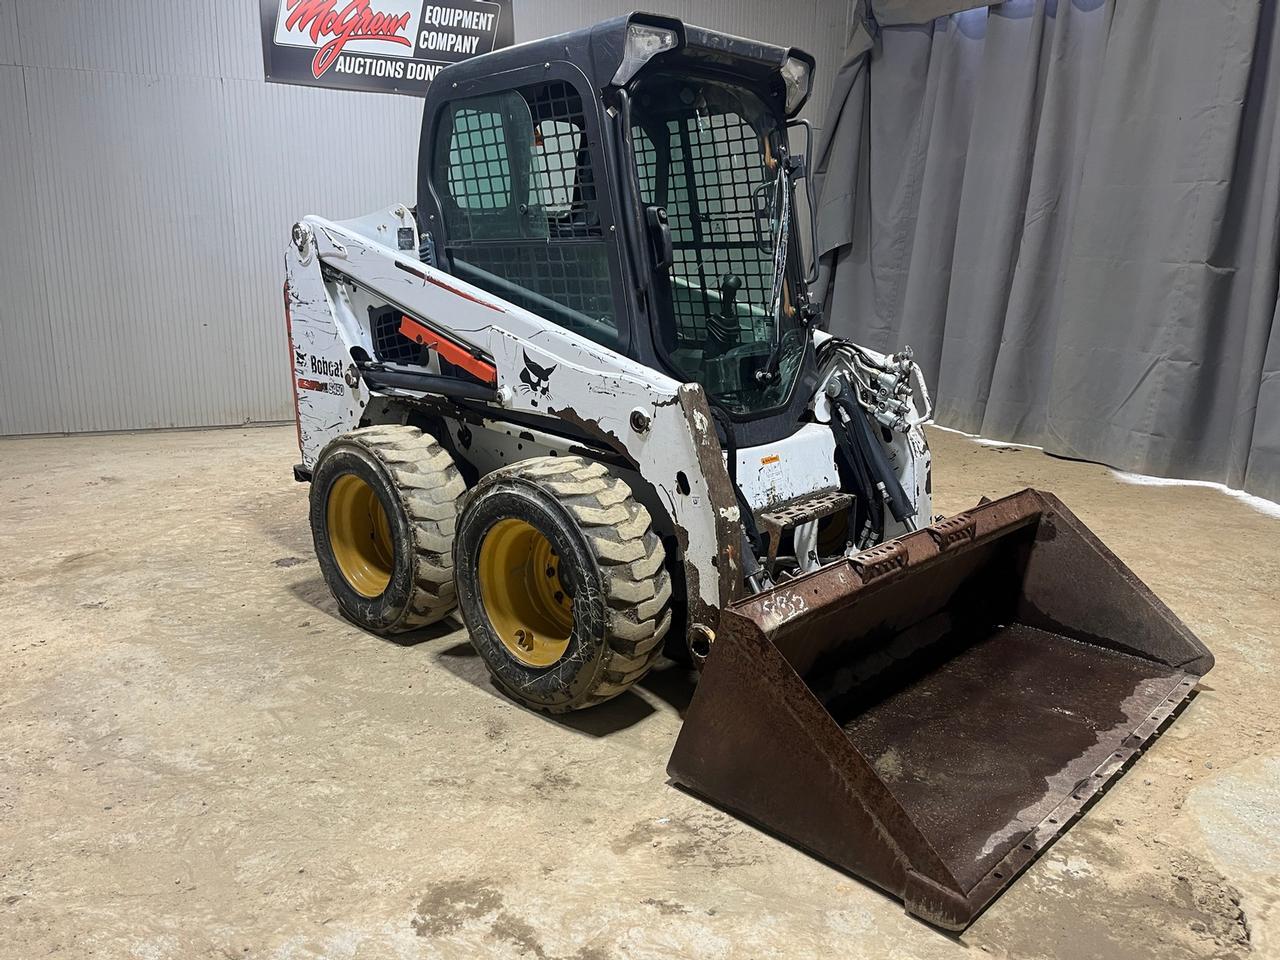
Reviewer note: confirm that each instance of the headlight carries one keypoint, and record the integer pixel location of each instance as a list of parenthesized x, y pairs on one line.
[(798, 77), (644, 42)]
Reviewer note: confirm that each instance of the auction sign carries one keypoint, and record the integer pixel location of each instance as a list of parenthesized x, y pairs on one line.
[(390, 46)]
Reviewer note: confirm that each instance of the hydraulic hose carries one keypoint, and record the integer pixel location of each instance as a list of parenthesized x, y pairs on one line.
[(869, 460)]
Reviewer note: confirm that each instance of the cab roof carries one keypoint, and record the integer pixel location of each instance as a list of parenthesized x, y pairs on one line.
[(599, 52)]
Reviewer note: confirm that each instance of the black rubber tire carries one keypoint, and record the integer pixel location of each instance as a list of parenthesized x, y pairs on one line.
[(418, 486), (611, 564)]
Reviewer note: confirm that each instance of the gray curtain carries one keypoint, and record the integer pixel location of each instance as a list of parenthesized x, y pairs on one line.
[(1071, 210)]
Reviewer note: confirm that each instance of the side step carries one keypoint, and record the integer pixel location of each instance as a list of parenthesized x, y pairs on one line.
[(931, 714)]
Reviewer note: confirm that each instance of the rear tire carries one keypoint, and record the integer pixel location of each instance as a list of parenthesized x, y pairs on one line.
[(561, 582), (383, 507)]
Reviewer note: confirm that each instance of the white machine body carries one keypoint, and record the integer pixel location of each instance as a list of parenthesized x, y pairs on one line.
[(337, 271)]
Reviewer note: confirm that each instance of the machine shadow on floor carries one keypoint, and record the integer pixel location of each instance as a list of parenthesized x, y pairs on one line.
[(315, 594), (669, 682), (624, 711)]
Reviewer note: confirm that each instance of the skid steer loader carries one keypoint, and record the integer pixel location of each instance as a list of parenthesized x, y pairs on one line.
[(582, 393)]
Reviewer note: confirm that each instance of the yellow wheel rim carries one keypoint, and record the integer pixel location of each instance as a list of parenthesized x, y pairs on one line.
[(522, 594), (360, 535)]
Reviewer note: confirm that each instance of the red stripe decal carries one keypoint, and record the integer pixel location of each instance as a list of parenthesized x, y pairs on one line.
[(465, 296), (483, 371), (288, 326)]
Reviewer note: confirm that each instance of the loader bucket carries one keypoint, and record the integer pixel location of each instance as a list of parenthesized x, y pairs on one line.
[(933, 713)]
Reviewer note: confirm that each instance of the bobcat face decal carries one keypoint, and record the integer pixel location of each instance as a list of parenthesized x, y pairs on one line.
[(535, 380)]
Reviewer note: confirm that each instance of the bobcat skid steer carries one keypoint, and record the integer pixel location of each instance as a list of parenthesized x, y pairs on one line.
[(581, 393)]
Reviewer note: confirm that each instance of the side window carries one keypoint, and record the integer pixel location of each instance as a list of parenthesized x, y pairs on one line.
[(520, 205), (478, 164), (479, 171)]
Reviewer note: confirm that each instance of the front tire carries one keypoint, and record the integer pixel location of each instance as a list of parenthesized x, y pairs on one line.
[(561, 582), (383, 507)]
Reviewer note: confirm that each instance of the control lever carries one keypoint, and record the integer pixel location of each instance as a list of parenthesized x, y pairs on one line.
[(722, 330)]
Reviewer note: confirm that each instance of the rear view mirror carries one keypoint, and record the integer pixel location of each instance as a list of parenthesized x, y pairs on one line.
[(660, 245), (762, 206), (801, 170)]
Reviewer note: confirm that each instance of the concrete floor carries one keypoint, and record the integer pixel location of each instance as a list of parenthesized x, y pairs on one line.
[(198, 758)]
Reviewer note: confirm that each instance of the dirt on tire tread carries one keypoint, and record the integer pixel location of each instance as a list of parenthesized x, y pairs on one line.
[(429, 485), (618, 530)]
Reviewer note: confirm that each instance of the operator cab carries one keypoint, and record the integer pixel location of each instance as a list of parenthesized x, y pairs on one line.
[(633, 183)]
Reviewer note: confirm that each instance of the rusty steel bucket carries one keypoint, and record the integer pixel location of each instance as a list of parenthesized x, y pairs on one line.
[(933, 713)]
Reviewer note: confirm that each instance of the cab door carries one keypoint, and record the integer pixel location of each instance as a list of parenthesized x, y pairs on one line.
[(520, 182)]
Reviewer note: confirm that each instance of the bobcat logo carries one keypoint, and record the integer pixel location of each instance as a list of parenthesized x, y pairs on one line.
[(536, 380), (300, 357)]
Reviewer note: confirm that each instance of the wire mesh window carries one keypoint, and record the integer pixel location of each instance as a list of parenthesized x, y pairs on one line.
[(566, 282), (521, 207), (717, 189), (479, 174)]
